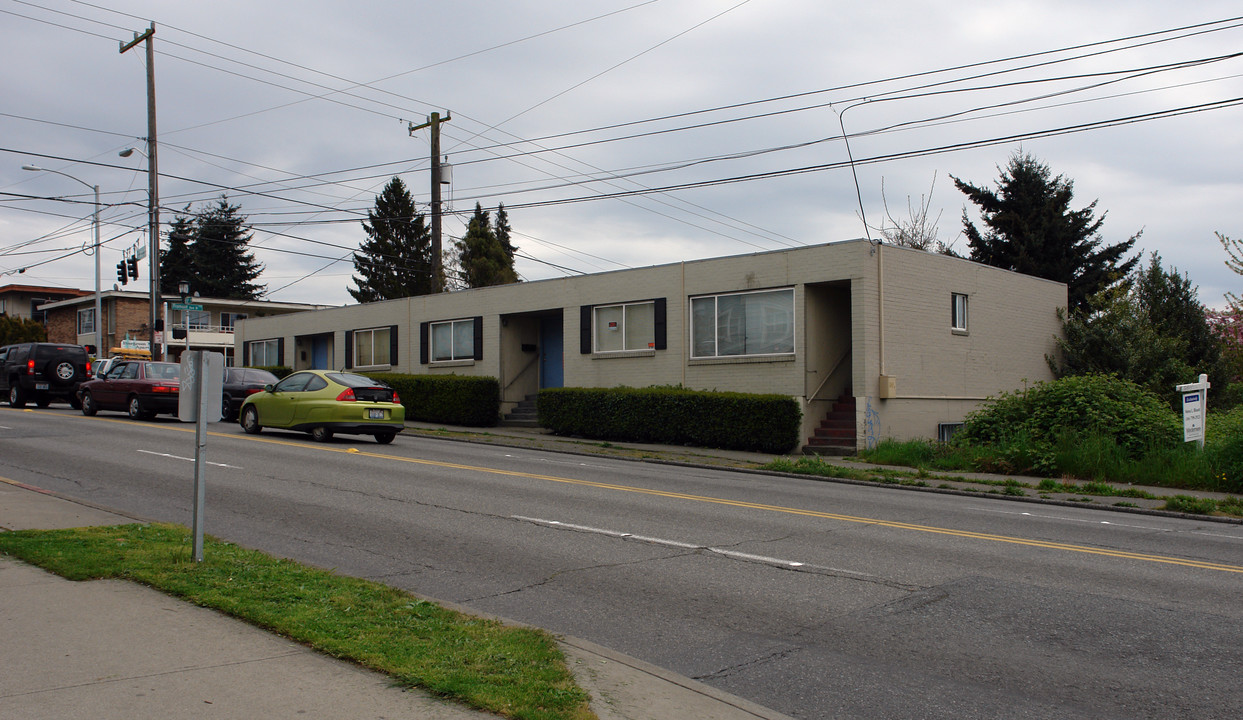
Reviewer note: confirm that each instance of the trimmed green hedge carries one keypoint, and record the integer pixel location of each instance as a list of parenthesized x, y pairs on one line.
[(449, 399), (674, 416)]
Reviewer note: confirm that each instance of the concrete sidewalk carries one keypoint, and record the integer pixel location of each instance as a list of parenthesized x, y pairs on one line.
[(114, 649)]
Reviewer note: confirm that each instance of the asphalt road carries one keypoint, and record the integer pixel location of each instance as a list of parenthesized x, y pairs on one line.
[(815, 599)]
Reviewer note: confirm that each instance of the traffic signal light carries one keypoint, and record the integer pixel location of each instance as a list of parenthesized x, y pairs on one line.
[(121, 276), (133, 267)]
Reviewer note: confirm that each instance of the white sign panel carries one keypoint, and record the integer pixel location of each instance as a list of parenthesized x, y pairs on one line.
[(211, 365), (1193, 417)]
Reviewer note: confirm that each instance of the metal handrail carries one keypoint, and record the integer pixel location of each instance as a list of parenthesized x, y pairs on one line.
[(837, 365), (521, 372)]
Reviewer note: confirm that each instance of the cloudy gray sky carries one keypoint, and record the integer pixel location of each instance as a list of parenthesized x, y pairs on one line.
[(618, 133)]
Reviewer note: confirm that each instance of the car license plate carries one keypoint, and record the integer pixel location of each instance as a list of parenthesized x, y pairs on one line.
[(40, 386), (375, 414)]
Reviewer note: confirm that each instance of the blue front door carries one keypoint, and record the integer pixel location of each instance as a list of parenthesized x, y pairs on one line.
[(551, 371), (319, 354)]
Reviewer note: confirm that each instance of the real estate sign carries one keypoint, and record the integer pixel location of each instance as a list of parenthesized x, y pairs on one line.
[(1193, 417), (1195, 396)]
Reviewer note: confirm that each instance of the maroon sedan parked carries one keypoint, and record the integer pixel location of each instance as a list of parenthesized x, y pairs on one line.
[(139, 387)]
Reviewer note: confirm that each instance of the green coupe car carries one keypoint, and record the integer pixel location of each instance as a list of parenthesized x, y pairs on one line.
[(325, 403)]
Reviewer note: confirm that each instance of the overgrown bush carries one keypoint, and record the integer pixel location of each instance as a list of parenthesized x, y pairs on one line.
[(450, 399), (1083, 405), (674, 416)]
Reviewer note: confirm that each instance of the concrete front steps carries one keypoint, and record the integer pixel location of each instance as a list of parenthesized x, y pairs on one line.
[(524, 414), (837, 433)]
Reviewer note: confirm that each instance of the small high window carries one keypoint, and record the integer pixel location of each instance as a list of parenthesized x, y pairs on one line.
[(958, 312)]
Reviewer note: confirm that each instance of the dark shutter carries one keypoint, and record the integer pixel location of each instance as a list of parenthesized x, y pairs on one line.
[(659, 327), (245, 354), (584, 330), (423, 329), (392, 344), (478, 337), (349, 348), (280, 351)]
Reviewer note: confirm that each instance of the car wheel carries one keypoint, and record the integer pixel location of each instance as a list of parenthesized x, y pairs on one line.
[(75, 403), (225, 415), (321, 434), (17, 396), (135, 409), (88, 404), (250, 420), (385, 438)]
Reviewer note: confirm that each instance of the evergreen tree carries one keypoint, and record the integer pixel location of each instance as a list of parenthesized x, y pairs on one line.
[(396, 259), (225, 267), (209, 250), (16, 330), (500, 228), (1152, 330), (484, 257), (177, 262), (1032, 229)]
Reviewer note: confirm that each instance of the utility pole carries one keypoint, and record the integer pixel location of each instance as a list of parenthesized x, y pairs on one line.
[(433, 122), (153, 195)]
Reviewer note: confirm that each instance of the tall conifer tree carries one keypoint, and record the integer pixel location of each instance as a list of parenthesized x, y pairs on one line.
[(396, 259), (485, 258), (1030, 228)]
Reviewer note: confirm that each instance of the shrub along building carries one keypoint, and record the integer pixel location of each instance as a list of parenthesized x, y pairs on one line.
[(873, 341)]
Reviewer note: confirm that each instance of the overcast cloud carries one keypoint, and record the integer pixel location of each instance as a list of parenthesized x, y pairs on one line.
[(299, 111)]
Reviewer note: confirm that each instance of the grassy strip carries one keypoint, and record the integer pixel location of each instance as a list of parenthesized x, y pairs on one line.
[(812, 465), (514, 672)]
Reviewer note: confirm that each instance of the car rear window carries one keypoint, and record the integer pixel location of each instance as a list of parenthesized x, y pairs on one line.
[(354, 381), (47, 352)]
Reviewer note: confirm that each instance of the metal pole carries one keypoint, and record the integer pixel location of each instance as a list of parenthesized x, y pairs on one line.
[(153, 241), (95, 223), (99, 342), (199, 359)]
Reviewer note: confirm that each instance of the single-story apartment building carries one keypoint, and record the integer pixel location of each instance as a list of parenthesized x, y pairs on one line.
[(907, 342)]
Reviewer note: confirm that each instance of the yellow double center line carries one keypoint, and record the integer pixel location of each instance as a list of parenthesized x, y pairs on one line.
[(1048, 545)]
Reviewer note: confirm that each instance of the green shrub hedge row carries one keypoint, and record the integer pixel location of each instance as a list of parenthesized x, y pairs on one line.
[(449, 399), (674, 416)]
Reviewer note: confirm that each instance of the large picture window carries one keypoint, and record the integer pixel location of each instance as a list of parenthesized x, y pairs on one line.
[(371, 347), (619, 328), (264, 353), (739, 324), (453, 340)]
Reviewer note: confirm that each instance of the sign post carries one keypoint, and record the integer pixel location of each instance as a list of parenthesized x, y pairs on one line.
[(199, 401), (1195, 407)]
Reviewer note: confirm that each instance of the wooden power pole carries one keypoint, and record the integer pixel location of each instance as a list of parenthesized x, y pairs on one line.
[(153, 193), (433, 122)]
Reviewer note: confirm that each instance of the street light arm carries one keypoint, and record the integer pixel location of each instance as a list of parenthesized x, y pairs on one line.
[(36, 168)]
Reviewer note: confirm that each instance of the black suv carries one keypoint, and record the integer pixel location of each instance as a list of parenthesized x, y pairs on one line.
[(43, 372)]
